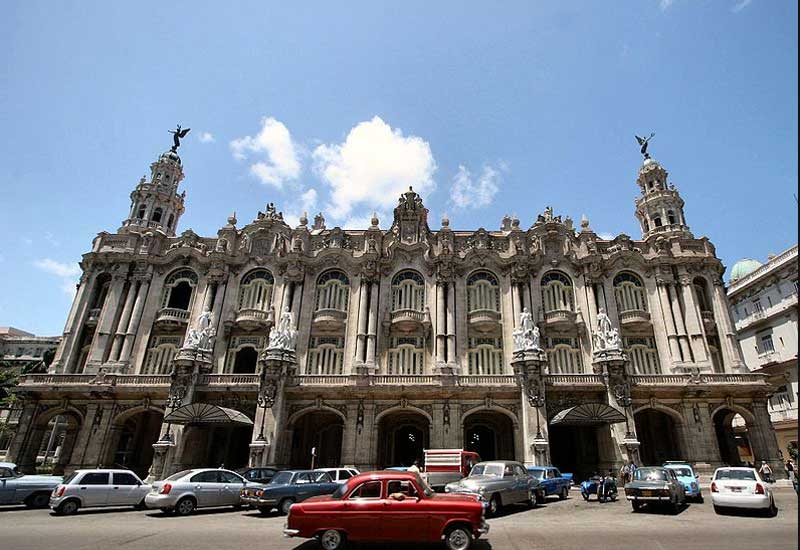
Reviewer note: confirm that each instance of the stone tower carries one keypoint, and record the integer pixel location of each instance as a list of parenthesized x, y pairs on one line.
[(156, 204), (660, 207)]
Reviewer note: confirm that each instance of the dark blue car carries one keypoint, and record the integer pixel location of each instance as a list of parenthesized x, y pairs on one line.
[(551, 481), (288, 487)]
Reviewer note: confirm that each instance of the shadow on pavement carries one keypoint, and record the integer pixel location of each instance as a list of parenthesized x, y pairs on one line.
[(313, 544), (661, 510), (98, 511), (16, 508), (746, 513), (201, 512)]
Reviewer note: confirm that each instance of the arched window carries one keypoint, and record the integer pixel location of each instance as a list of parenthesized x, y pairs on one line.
[(178, 288), (629, 292), (557, 294), (408, 291), (671, 217), (157, 213), (485, 356), (255, 291), (140, 213), (171, 220), (101, 287), (333, 290), (564, 356), (657, 221), (159, 357), (405, 356), (646, 225), (702, 296), (325, 355), (483, 292), (643, 354)]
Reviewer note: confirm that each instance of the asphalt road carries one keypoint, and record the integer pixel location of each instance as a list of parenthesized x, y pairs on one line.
[(568, 524)]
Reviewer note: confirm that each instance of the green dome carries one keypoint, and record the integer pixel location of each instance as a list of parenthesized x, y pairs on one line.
[(744, 267)]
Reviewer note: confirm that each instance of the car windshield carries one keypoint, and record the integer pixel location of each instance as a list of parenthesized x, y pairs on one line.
[(69, 478), (682, 472), (426, 489), (742, 475), (538, 474), (281, 477), (495, 470), (649, 474), (176, 476)]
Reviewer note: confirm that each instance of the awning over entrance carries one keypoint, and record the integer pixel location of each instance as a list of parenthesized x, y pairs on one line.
[(588, 414), (203, 413)]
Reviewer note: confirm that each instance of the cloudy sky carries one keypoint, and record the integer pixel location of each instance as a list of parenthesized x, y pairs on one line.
[(339, 106)]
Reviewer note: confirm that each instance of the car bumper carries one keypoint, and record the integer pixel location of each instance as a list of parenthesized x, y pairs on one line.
[(741, 501), (288, 533), (160, 501), (258, 501), (483, 529), (659, 498)]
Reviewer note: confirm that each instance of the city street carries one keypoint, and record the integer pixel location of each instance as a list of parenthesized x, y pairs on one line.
[(572, 523)]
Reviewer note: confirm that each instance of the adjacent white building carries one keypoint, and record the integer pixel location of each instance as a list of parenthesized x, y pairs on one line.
[(763, 300)]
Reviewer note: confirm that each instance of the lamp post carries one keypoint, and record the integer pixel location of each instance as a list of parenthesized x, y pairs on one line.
[(265, 400), (536, 399), (174, 400), (622, 393)]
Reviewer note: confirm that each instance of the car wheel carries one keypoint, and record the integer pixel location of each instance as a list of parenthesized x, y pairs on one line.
[(585, 496), (185, 506), (637, 506), (494, 506), (285, 505), (772, 511), (564, 493), (331, 540), (38, 500), (533, 499), (458, 538), (700, 499), (67, 508), (264, 510), (140, 506)]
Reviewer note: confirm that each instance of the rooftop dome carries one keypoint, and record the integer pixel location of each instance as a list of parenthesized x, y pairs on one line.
[(171, 155), (743, 268)]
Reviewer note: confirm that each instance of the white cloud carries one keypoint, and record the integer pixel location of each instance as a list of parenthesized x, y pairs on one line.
[(67, 272), (305, 203), (606, 236), (372, 167), (665, 4), (739, 5), (206, 137), (273, 141), (468, 192), (51, 239)]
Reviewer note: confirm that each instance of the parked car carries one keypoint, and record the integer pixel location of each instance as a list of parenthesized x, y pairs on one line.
[(257, 475), (551, 481), (31, 490), (98, 487), (339, 475), (389, 508), (604, 487), (655, 485), (500, 482), (443, 466), (185, 491), (288, 487), (741, 488), (687, 476)]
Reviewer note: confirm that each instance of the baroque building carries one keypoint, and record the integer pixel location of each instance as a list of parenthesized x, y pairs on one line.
[(396, 339), (763, 301)]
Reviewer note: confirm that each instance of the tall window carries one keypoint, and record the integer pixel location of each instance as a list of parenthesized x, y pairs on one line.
[(408, 291), (485, 356), (767, 346), (405, 356), (242, 356), (325, 355), (333, 290), (564, 356), (483, 292), (178, 288), (702, 295), (629, 292), (643, 355), (157, 213), (255, 291), (557, 294), (159, 357), (140, 213)]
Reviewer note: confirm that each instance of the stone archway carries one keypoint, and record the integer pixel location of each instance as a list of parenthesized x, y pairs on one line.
[(216, 443), (403, 435), (132, 438), (733, 439), (320, 431), (51, 441), (659, 437), (490, 434)]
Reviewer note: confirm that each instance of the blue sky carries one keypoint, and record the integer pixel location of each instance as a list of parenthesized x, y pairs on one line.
[(335, 106)]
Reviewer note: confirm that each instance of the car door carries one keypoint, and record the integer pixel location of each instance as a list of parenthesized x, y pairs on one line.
[(206, 487), (363, 510), (94, 488), (402, 508), (231, 488), (125, 490), (522, 483), (302, 486), (6, 485)]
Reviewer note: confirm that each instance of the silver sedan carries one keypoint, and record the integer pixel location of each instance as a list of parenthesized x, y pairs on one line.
[(185, 491)]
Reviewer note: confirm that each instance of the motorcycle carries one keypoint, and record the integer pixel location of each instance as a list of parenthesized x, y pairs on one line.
[(605, 488)]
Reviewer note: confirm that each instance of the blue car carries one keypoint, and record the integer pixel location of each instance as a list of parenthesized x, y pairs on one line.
[(687, 476), (551, 482)]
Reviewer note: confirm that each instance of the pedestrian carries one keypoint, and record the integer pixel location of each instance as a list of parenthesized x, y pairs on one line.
[(414, 467), (766, 472), (624, 473)]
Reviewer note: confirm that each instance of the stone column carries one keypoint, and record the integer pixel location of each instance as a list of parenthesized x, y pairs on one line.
[(350, 436), (105, 325), (680, 325), (286, 295), (529, 367), (451, 323), (65, 353), (141, 338), (763, 440), (731, 350), (122, 326), (669, 322), (26, 440), (365, 450), (659, 324), (133, 325), (372, 326), (441, 323), (694, 323), (276, 366), (297, 298), (361, 336)]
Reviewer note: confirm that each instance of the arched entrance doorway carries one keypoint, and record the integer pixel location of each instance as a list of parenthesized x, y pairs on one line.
[(658, 436), (732, 438), (320, 431), (402, 437), (51, 443), (490, 434), (132, 443), (211, 446)]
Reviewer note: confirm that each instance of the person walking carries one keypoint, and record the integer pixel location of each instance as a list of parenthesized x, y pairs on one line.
[(792, 474), (414, 467), (766, 472)]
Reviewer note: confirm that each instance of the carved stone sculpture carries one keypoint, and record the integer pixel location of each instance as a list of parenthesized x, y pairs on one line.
[(283, 335), (606, 337), (202, 336), (526, 335)]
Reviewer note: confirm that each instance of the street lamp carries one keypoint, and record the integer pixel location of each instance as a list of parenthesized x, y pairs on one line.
[(174, 400), (622, 394), (537, 400)]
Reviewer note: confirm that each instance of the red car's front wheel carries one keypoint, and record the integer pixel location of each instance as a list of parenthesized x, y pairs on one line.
[(331, 540), (458, 538)]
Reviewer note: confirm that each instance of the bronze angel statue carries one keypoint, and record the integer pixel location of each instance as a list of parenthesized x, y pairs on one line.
[(177, 135), (643, 142)]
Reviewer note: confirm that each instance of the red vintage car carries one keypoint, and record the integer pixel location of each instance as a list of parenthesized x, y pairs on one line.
[(388, 506)]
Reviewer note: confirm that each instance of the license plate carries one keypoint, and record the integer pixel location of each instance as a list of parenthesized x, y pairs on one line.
[(647, 493), (736, 489)]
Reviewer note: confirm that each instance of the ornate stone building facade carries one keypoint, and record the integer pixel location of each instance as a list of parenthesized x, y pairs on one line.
[(404, 341)]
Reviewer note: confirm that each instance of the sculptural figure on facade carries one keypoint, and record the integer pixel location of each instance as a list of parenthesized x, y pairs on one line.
[(526, 335), (201, 337), (283, 335), (606, 337)]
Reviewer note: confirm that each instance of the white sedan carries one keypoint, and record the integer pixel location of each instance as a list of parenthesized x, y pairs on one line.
[(741, 488)]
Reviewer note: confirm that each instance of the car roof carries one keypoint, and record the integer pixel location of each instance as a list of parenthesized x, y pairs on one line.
[(104, 470), (8, 465), (504, 462), (384, 474), (747, 468)]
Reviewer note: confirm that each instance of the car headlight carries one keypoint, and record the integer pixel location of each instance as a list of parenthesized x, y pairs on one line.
[(694, 486), (481, 490)]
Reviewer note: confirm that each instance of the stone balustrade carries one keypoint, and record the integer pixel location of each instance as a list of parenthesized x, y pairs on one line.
[(230, 380), (574, 380)]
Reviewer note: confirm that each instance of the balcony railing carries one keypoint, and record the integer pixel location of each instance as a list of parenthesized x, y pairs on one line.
[(329, 319), (230, 380), (408, 320), (708, 319), (688, 379), (487, 380), (251, 318), (172, 315), (484, 319), (559, 317), (405, 379), (110, 379), (574, 380), (634, 317), (322, 380)]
